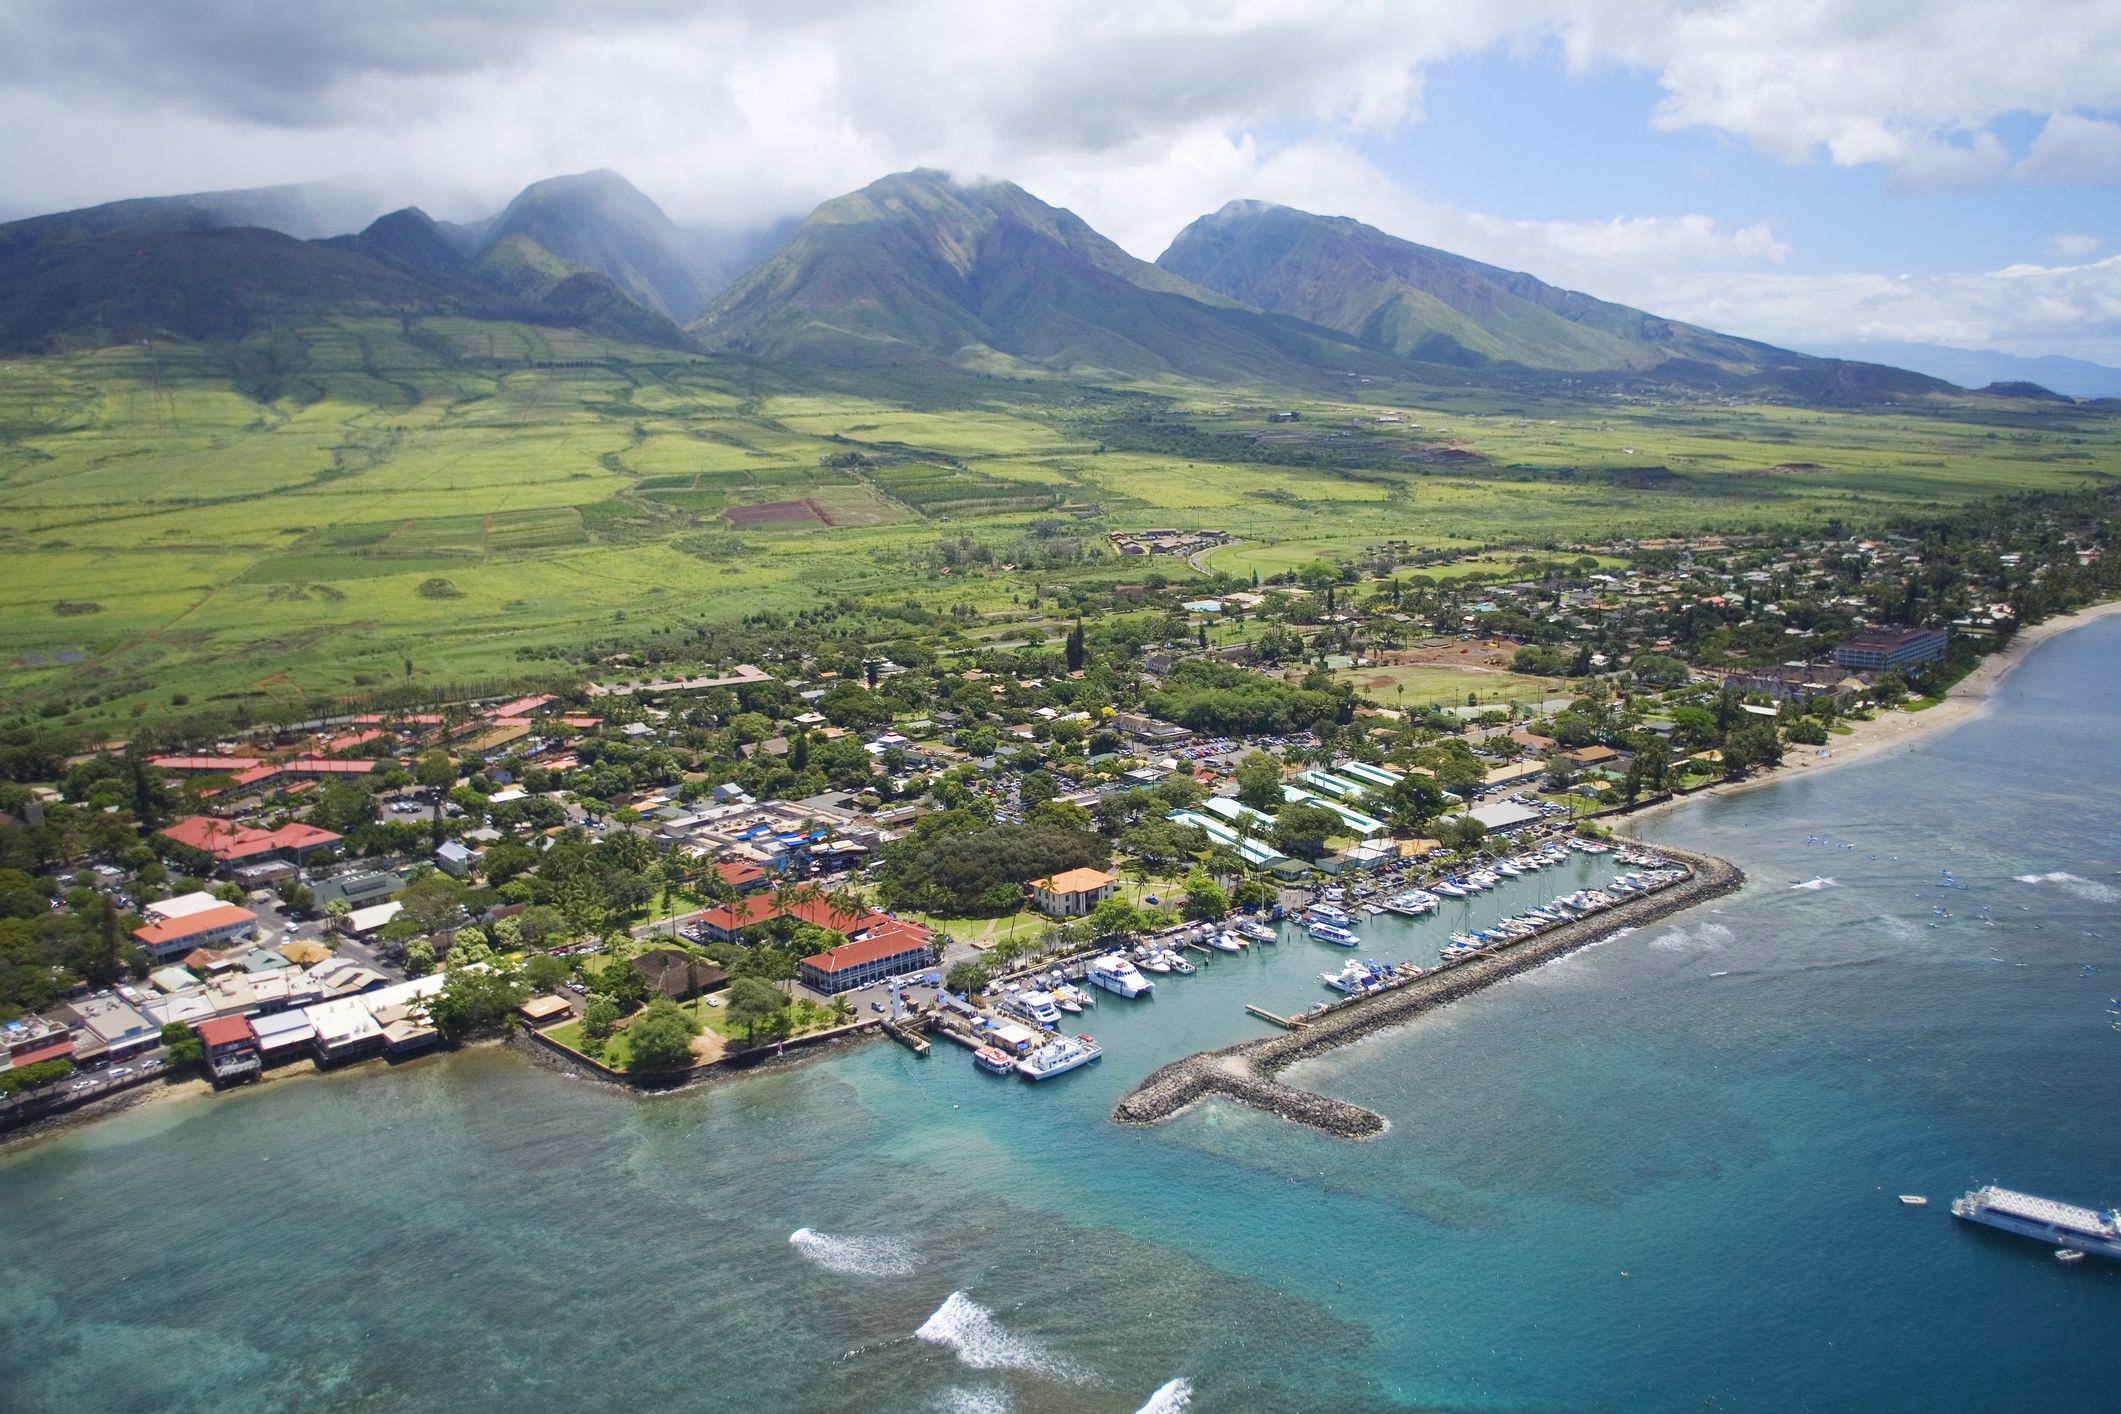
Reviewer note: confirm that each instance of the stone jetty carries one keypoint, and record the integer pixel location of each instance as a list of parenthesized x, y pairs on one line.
[(1246, 1072)]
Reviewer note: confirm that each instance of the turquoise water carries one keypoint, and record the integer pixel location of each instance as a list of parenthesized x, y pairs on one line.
[(1658, 1174)]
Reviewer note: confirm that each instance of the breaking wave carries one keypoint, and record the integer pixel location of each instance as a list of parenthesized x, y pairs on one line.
[(2091, 890), (980, 1341), (1821, 882), (1173, 1398), (1701, 935), (856, 1256), (960, 1400)]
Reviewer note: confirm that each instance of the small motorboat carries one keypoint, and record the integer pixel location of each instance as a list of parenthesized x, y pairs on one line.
[(1221, 942), (993, 1060), (2068, 1254), (1914, 1200)]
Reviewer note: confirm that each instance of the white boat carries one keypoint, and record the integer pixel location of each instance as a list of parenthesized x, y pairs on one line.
[(1353, 979), (1257, 931), (1914, 1200), (993, 1060), (1221, 942), (1508, 869), (1153, 961), (1068, 997), (1058, 1056), (1115, 973), (1333, 933), (1451, 888), (1332, 913), (1180, 964), (2068, 1254), (1038, 1008)]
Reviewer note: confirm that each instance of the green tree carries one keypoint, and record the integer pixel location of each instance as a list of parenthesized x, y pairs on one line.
[(185, 1047), (755, 1004), (1114, 918), (1302, 829), (1205, 898), (965, 978), (600, 1017), (476, 999), (660, 1038)]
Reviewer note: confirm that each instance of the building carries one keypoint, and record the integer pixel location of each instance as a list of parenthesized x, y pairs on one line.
[(230, 843), (110, 1029), (1882, 649), (890, 951), (1504, 816), (678, 974), (1073, 892), (214, 927), (453, 859), (232, 1050)]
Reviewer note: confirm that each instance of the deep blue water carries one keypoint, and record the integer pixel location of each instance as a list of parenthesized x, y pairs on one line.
[(1656, 1175)]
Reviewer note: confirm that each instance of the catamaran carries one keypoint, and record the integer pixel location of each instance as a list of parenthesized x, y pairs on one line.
[(1333, 933), (1058, 1056)]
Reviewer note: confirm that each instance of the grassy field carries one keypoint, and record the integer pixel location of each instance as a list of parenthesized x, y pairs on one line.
[(439, 500), (1420, 685)]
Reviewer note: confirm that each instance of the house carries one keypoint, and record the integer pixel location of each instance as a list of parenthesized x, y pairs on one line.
[(453, 859), (218, 926), (740, 874), (1588, 758), (678, 974), (1072, 893), (232, 1050), (889, 951), (1884, 648)]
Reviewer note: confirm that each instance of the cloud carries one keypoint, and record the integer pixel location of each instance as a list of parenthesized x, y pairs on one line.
[(2026, 308), (2071, 246), (2073, 148)]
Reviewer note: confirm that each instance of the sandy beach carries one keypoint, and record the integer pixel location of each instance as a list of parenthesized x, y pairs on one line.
[(1887, 731)]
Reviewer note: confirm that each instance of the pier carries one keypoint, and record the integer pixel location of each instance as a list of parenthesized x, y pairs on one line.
[(1246, 1072), (1286, 1023)]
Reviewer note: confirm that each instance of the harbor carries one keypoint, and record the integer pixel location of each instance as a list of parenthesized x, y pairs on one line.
[(1247, 1072)]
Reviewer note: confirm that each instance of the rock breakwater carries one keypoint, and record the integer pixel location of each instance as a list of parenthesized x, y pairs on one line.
[(1246, 1072)]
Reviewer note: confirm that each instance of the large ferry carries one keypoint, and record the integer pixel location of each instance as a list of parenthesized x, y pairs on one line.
[(1058, 1056), (1115, 973), (2064, 1225)]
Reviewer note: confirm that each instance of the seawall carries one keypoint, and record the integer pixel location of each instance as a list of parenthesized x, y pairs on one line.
[(1247, 1072)]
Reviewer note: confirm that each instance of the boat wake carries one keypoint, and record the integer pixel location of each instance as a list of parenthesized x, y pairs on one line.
[(1172, 1398), (982, 1343), (959, 1400), (1700, 936), (2090, 890), (1809, 885), (856, 1256)]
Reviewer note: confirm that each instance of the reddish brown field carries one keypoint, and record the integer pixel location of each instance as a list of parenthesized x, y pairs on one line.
[(776, 512)]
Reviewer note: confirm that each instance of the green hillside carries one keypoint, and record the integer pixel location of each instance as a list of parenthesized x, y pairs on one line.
[(919, 270), (1434, 307), (600, 221)]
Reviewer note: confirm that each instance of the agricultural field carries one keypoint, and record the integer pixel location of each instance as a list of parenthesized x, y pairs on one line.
[(437, 500)]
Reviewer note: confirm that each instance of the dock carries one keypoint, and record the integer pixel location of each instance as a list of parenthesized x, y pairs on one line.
[(1286, 1023), (908, 1036)]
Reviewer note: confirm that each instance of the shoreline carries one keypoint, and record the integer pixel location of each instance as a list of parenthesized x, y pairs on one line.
[(1971, 697)]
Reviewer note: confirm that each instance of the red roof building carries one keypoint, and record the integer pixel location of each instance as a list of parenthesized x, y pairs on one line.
[(231, 843), (208, 928), (892, 950), (740, 873), (225, 764), (232, 1051)]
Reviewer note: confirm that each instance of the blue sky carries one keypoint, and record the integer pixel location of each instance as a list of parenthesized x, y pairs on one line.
[(1805, 171)]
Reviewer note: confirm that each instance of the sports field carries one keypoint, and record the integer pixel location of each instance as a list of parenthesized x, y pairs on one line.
[(438, 500)]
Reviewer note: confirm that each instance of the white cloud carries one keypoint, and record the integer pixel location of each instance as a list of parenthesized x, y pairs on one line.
[(2021, 308), (2070, 245), (2074, 148)]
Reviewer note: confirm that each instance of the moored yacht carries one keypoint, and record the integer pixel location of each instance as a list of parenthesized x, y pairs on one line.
[(1354, 979), (1115, 973), (1257, 931), (1333, 933), (1221, 942)]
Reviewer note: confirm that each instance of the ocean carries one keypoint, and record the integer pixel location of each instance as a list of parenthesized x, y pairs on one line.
[(1658, 1174)]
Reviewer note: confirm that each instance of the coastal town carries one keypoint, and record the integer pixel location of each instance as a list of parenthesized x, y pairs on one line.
[(694, 855)]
